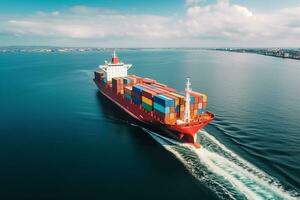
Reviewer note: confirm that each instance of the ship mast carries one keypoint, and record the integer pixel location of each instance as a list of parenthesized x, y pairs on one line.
[(188, 89)]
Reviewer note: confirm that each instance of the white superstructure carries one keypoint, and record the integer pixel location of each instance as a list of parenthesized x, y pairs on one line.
[(115, 68)]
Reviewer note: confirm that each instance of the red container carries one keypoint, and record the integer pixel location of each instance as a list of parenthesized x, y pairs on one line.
[(136, 95), (149, 81), (165, 87), (160, 84), (200, 96), (138, 79), (170, 95), (128, 89), (172, 109), (117, 84), (148, 93), (132, 81), (99, 74), (159, 90)]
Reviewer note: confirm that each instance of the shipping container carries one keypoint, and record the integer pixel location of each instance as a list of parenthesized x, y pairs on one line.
[(163, 116), (128, 89), (160, 84), (136, 96), (103, 81), (149, 81), (147, 107), (176, 100), (127, 96), (161, 108), (172, 109), (117, 84), (126, 81), (163, 100), (172, 116), (180, 97), (201, 111), (137, 89), (164, 87), (147, 101), (136, 100), (99, 75), (152, 86), (192, 98), (138, 79), (132, 80), (148, 93), (203, 97), (177, 108)]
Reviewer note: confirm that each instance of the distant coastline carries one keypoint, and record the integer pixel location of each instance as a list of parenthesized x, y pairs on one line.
[(51, 49), (289, 53)]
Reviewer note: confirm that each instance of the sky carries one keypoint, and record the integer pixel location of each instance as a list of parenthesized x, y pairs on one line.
[(154, 23)]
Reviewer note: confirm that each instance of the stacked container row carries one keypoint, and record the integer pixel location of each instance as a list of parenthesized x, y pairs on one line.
[(164, 108), (128, 92), (117, 85), (147, 99)]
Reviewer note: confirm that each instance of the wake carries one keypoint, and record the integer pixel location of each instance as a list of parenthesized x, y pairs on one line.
[(223, 171)]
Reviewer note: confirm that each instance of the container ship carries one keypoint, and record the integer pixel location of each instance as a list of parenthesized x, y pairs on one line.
[(174, 114)]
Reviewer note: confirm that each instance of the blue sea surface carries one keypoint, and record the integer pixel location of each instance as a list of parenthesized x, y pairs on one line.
[(61, 139)]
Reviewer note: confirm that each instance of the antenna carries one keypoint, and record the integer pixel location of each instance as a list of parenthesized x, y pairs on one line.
[(114, 54)]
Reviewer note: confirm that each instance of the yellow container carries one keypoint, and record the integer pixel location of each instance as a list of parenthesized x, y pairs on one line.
[(195, 112), (181, 108), (204, 98), (147, 101), (172, 115)]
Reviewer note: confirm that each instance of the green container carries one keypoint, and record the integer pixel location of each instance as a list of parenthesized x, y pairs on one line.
[(146, 106)]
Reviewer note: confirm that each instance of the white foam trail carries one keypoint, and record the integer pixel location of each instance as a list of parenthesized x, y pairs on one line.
[(205, 157), (245, 177), (260, 177), (165, 142)]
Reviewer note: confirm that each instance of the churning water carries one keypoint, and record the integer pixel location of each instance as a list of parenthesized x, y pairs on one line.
[(226, 173)]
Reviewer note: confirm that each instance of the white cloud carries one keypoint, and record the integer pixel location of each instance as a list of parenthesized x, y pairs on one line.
[(76, 23), (55, 13), (216, 24)]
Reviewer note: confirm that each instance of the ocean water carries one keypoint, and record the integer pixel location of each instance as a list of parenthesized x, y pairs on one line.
[(60, 139)]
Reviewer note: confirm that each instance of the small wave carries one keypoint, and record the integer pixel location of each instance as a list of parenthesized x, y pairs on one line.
[(223, 171)]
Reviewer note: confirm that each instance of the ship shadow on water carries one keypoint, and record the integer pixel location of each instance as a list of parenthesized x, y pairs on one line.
[(118, 116)]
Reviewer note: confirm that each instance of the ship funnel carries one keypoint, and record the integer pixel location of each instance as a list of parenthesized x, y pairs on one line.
[(114, 59)]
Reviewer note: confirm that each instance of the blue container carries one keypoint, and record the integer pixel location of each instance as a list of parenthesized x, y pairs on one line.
[(161, 108), (126, 81), (177, 108), (137, 89), (127, 96), (192, 98), (136, 100), (201, 111), (163, 100), (103, 82)]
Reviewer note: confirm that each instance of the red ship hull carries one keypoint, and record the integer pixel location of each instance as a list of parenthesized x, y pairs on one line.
[(186, 133)]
